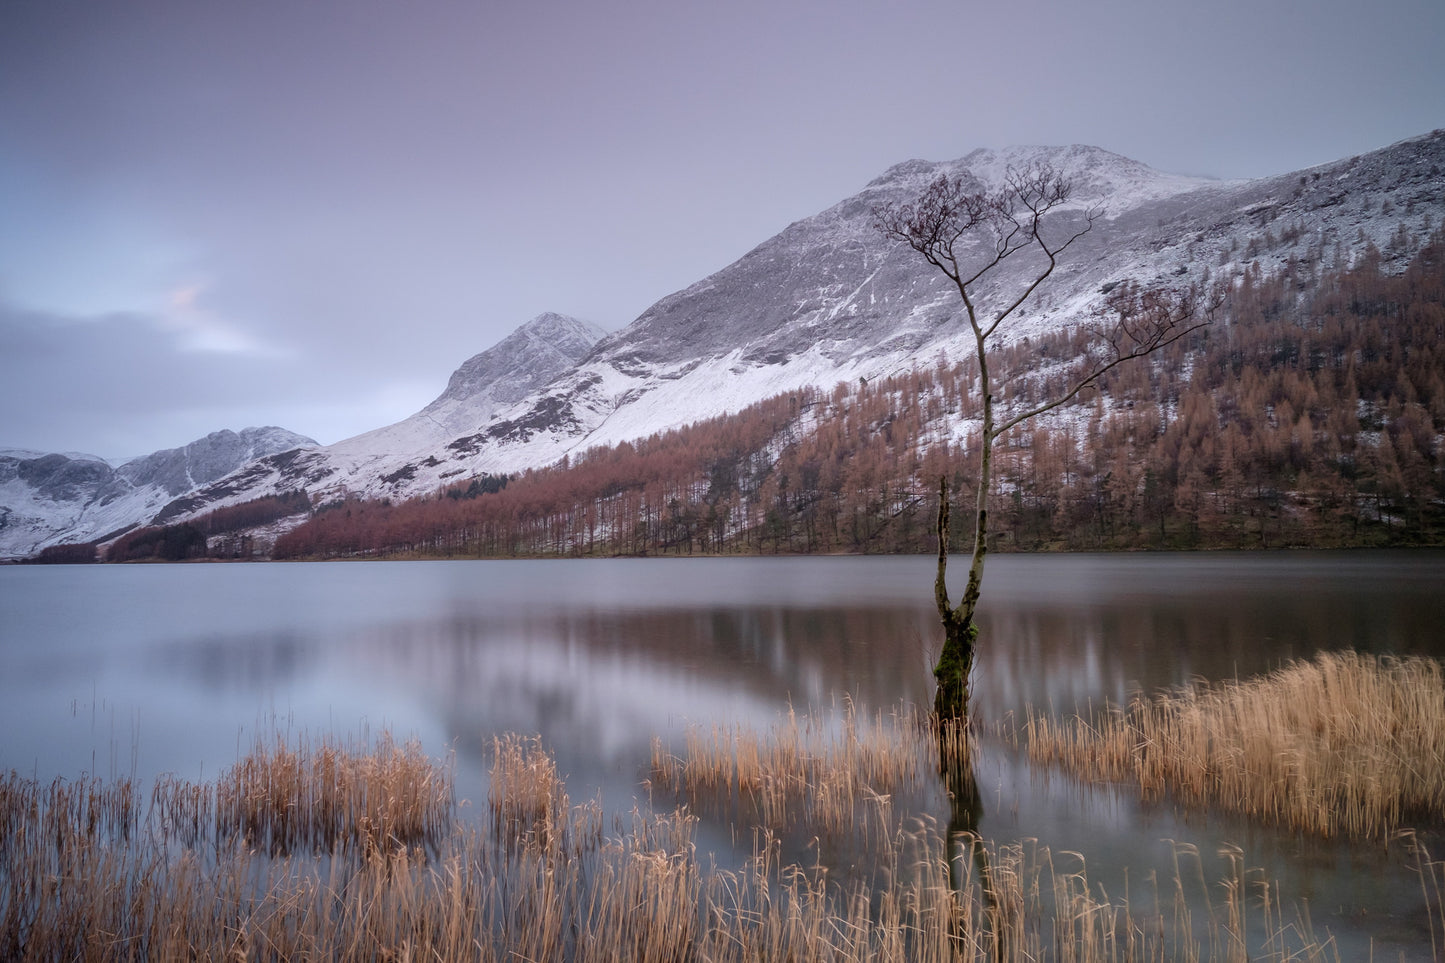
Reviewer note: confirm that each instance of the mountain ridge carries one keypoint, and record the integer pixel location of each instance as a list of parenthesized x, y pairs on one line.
[(871, 308), (50, 498), (828, 299), (1312, 416), (481, 386)]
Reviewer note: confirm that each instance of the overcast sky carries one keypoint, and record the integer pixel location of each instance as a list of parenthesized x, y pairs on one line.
[(308, 212)]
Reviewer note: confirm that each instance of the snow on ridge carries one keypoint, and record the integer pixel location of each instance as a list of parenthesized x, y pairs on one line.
[(480, 389), (54, 498), (760, 339), (28, 454), (411, 456), (715, 387), (1098, 174), (829, 300)]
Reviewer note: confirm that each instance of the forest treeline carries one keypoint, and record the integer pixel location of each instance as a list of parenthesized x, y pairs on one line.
[(222, 533), (1310, 415)]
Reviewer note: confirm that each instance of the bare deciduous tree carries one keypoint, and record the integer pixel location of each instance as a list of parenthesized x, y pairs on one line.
[(970, 235)]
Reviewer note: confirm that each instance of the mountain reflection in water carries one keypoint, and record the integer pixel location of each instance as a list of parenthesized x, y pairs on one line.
[(150, 669)]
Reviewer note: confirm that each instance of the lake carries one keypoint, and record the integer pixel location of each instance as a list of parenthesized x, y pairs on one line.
[(139, 670)]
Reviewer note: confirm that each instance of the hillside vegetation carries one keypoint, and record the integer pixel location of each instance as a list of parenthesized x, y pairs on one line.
[(1311, 416)]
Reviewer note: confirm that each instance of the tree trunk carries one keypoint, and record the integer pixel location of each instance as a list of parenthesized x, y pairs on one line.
[(960, 635), (955, 661)]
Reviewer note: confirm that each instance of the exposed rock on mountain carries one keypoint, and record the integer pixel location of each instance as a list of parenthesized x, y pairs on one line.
[(392, 459), (829, 299)]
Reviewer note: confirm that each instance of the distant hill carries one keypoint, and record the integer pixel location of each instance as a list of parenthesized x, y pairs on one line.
[(48, 499)]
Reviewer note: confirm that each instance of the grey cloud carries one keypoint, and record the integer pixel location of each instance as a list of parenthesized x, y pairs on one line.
[(377, 191), (108, 384)]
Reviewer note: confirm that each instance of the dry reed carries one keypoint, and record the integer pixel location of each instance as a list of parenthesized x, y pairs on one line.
[(527, 797), (1342, 744), (327, 795), (832, 773), (541, 883)]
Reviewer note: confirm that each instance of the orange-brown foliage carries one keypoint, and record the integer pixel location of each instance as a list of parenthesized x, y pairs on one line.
[(1313, 416)]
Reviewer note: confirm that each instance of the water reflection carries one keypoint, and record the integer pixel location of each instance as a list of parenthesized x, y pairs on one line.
[(169, 668)]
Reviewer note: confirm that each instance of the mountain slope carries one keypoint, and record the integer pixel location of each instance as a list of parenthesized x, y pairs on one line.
[(51, 498), (531, 356), (1313, 417), (384, 461), (828, 299)]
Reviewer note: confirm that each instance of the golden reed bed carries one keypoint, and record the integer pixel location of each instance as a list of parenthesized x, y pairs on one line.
[(325, 851), (1341, 744)]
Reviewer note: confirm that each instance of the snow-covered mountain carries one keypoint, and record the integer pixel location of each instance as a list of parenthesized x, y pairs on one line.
[(47, 499), (830, 299), (531, 356), (386, 460)]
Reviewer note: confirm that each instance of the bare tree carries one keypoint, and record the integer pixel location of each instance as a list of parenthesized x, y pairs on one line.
[(970, 235)]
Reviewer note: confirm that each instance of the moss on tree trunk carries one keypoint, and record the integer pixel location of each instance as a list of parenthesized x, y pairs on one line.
[(955, 663), (960, 635)]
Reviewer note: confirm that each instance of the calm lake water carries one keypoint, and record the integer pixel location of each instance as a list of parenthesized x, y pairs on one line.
[(122, 670)]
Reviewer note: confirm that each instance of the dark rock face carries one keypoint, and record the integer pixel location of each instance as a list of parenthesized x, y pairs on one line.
[(61, 478), (525, 360), (178, 470)]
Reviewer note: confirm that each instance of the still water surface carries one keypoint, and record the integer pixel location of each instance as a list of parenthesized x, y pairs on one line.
[(138, 670)]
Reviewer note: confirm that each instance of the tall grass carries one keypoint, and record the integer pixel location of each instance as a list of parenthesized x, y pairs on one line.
[(86, 875), (1342, 744), (285, 797), (833, 772), (311, 795)]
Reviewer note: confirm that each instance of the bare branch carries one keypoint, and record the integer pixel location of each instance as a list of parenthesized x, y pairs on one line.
[(1053, 255), (933, 223), (1145, 320), (949, 222), (950, 215)]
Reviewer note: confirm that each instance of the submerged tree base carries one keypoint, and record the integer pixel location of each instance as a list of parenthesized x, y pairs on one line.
[(955, 664)]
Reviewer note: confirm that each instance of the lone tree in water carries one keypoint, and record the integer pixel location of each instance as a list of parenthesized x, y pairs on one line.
[(972, 235)]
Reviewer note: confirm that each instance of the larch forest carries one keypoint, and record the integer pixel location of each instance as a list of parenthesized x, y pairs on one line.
[(1309, 415)]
